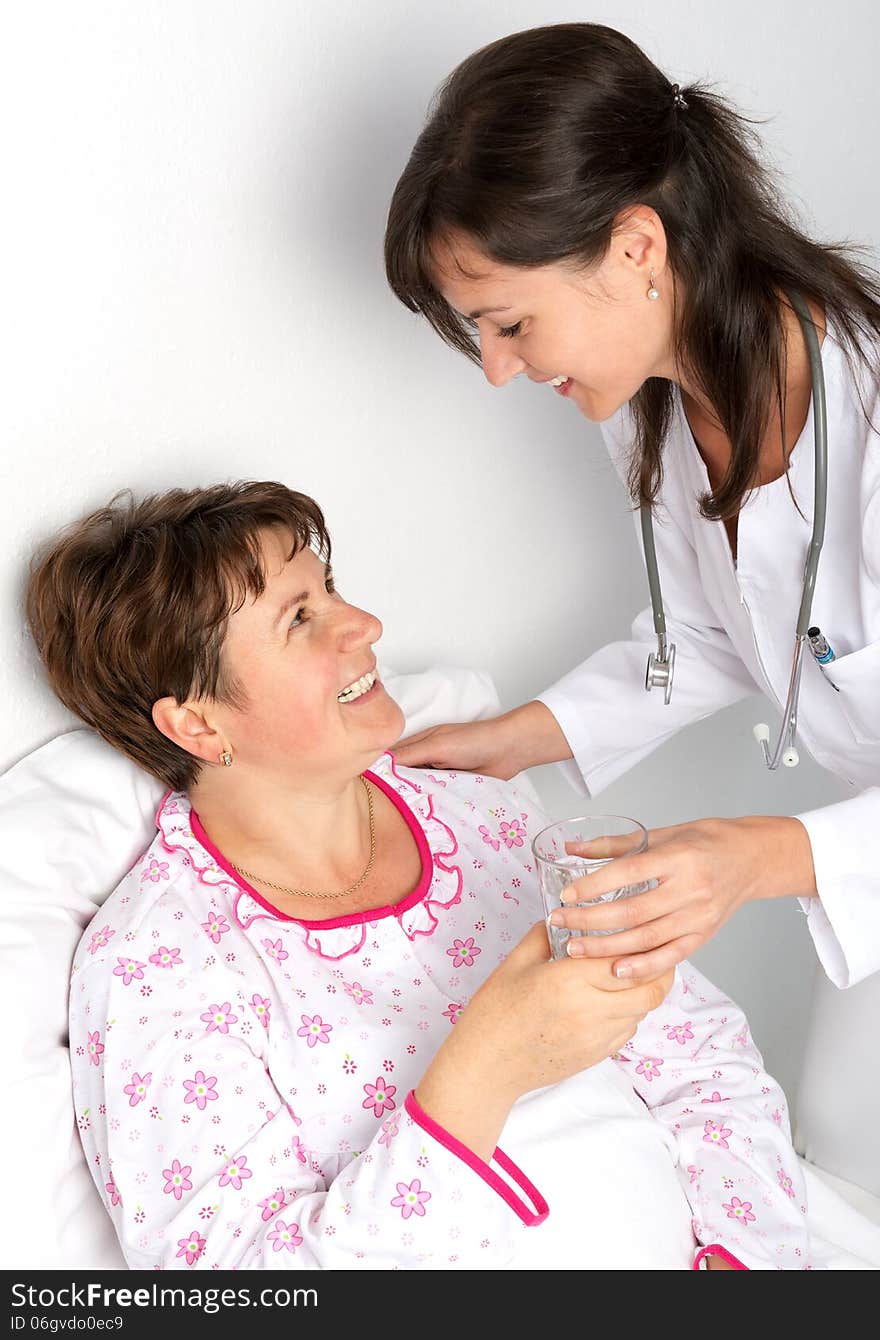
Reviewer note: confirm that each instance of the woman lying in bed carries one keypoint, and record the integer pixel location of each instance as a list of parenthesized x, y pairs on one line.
[(317, 1024)]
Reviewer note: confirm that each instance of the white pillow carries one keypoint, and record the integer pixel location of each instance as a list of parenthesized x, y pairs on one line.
[(74, 817)]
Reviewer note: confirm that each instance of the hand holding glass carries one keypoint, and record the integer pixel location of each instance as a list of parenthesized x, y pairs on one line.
[(612, 836)]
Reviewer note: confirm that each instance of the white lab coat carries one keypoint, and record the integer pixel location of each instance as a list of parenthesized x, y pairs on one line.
[(733, 626)]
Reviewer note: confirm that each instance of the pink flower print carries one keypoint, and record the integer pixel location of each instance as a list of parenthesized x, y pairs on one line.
[(359, 994), (680, 1033), (129, 970), (155, 871), (219, 1017), (390, 1128), (463, 952), (379, 1096), (235, 1173), (785, 1183), (272, 1204), (217, 926), (694, 1172), (714, 1097), (716, 1134), (740, 1209), (411, 1199), (488, 838), (94, 1048), (453, 1011), (191, 1247), (177, 1179), (137, 1089), (112, 1191), (200, 1090), (261, 1005), (299, 1149), (100, 939), (285, 1237), (512, 834), (275, 949), (314, 1029), (649, 1066), (166, 958)]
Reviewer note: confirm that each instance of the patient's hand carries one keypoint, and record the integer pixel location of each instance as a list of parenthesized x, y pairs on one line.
[(718, 1263), (533, 1022)]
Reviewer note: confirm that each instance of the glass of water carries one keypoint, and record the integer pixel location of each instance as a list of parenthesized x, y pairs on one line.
[(612, 836)]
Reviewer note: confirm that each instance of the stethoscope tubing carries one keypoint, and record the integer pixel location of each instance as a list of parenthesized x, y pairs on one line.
[(664, 661)]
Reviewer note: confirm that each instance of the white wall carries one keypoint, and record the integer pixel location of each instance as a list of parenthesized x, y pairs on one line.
[(195, 198)]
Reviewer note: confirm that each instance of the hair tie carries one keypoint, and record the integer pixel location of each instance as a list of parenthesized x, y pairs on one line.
[(677, 98)]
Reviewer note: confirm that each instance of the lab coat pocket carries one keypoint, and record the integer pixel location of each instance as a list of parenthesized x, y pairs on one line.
[(857, 676)]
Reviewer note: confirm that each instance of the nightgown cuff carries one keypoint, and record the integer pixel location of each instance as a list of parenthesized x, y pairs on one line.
[(530, 1215), (715, 1249)]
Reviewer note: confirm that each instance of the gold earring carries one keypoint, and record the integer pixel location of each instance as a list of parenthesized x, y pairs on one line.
[(226, 759), (653, 293)]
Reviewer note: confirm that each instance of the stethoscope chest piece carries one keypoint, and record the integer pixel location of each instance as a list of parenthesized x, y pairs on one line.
[(660, 671)]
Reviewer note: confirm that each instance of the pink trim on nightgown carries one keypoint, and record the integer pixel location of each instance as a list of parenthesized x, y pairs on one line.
[(449, 869), (529, 1216), (715, 1249), (355, 918)]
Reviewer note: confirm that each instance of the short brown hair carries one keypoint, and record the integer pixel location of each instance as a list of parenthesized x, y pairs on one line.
[(131, 604)]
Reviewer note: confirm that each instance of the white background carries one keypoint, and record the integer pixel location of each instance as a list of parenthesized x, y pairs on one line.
[(193, 290)]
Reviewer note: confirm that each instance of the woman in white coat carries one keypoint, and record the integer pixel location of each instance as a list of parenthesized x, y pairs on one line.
[(569, 214)]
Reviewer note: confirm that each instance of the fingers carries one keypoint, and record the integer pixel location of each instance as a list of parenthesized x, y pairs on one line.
[(624, 873), (658, 988), (636, 1001), (413, 741), (640, 940), (659, 961), (604, 848), (598, 974), (418, 736), (418, 751), (617, 914), (639, 1000)]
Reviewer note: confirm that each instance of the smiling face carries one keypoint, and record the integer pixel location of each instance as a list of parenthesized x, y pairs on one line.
[(596, 328), (293, 650)]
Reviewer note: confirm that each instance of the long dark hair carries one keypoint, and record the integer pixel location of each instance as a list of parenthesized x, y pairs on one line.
[(533, 147)]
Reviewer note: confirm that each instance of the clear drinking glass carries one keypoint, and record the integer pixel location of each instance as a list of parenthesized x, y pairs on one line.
[(613, 835)]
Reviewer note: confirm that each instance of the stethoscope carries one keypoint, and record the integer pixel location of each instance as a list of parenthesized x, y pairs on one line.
[(661, 665)]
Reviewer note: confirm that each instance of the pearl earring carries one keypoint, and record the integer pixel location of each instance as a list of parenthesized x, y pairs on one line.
[(653, 293), (226, 759)]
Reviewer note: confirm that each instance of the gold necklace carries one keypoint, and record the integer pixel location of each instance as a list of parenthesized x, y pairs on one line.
[(310, 893)]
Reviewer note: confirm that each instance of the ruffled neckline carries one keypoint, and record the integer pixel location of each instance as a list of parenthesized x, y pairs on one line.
[(439, 886)]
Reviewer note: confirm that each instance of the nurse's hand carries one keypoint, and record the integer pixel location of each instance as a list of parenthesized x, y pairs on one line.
[(705, 871), (499, 747)]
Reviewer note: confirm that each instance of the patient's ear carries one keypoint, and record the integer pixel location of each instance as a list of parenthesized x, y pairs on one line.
[(187, 726)]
